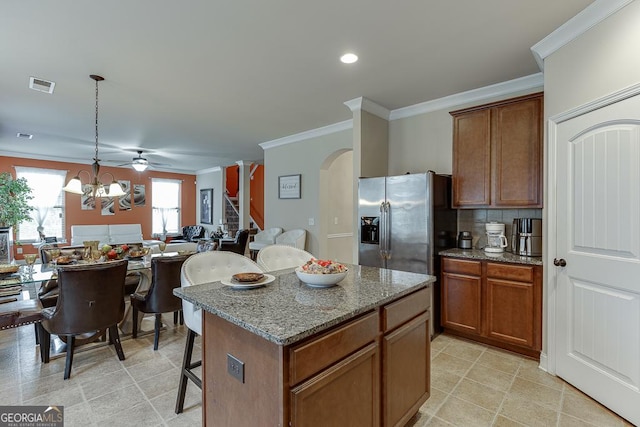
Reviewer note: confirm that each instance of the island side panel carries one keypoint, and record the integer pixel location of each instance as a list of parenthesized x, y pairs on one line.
[(261, 398)]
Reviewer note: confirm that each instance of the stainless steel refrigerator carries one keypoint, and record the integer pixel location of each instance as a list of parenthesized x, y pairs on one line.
[(405, 221)]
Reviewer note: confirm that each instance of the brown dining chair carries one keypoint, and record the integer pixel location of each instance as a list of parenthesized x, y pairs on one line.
[(90, 302), (238, 245), (159, 298)]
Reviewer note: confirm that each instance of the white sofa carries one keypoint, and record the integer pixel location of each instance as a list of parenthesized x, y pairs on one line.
[(112, 234)]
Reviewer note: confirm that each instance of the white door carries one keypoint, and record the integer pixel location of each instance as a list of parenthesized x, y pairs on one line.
[(598, 236)]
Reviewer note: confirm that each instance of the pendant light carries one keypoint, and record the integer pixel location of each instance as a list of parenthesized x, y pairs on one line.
[(98, 189)]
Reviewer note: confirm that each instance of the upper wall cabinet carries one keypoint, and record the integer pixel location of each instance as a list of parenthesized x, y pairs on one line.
[(497, 154)]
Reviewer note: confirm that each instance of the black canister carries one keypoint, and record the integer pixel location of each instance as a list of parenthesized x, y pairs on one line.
[(465, 240)]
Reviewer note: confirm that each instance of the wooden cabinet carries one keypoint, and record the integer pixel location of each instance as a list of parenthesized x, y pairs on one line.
[(497, 154), (369, 371), (406, 361), (495, 303)]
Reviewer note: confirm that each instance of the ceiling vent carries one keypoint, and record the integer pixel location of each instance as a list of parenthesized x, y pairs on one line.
[(41, 85), (24, 135)]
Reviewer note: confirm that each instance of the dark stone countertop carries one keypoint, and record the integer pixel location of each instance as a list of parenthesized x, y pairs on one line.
[(478, 254), (287, 310)]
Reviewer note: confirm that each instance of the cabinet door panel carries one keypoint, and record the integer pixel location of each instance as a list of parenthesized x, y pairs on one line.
[(347, 394), (405, 371), (461, 302), (510, 313), (517, 151), (471, 159)]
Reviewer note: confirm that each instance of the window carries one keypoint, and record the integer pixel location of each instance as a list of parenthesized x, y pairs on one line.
[(48, 201), (165, 201)]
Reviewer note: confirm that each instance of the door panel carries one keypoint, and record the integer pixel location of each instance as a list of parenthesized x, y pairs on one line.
[(598, 220), (370, 197), (408, 198)]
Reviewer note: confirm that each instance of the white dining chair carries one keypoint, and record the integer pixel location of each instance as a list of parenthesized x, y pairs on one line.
[(264, 238), (204, 267), (279, 257), (296, 238)]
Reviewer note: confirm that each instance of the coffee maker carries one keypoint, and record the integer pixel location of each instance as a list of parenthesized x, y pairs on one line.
[(526, 237), (496, 240)]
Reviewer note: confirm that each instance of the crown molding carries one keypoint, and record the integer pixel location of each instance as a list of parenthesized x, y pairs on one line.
[(313, 133), (533, 81), (209, 170), (592, 15), (365, 104)]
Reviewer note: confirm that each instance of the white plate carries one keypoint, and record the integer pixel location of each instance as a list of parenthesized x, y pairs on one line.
[(248, 285)]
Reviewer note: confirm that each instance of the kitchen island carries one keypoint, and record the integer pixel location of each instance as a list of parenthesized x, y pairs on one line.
[(288, 354)]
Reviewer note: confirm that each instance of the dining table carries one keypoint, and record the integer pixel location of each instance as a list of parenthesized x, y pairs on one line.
[(20, 291)]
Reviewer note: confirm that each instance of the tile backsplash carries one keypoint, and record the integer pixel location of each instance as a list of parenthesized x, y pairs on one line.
[(473, 220)]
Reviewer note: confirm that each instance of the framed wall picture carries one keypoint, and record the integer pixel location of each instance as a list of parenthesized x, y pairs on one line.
[(289, 187), (206, 206)]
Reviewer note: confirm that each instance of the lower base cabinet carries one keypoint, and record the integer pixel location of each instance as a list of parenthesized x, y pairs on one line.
[(373, 370), (495, 303)]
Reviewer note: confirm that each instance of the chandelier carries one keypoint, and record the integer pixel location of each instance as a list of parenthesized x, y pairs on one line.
[(98, 189)]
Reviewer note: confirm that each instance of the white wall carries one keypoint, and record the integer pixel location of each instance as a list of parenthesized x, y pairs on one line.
[(307, 158), (425, 141)]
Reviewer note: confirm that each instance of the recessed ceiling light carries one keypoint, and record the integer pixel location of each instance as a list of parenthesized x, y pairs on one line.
[(349, 58)]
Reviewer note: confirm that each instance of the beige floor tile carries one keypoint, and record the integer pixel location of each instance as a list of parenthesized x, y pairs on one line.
[(431, 406), (437, 422), (186, 419), (464, 350), (443, 380), (461, 413), (10, 393), (501, 421), (580, 406), (99, 385), (160, 384), (115, 402), (479, 394), (536, 393), (452, 364), (569, 421), (526, 412), (78, 415), (65, 396), (140, 415), (158, 365), (500, 362), (165, 403), (530, 370), (493, 378)]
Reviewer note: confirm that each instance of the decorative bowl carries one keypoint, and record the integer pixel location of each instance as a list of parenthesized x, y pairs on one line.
[(320, 280)]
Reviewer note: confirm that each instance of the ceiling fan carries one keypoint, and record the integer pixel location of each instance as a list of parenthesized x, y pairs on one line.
[(140, 163)]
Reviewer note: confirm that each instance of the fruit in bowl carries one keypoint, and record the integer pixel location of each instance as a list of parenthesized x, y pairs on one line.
[(321, 273)]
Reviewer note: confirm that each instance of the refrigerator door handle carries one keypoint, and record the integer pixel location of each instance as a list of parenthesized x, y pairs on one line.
[(382, 232), (387, 229)]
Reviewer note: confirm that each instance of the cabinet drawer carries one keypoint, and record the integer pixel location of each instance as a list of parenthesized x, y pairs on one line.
[(405, 309), (462, 266), (519, 273), (311, 357)]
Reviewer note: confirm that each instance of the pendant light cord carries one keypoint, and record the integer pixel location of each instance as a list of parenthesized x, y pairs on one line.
[(96, 158)]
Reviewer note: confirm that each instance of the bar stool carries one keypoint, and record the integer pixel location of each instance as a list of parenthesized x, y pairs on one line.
[(204, 267)]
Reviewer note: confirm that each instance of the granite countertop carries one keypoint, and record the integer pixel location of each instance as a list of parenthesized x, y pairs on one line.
[(480, 255), (287, 310)]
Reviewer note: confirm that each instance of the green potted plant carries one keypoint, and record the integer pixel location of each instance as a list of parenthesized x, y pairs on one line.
[(14, 209)]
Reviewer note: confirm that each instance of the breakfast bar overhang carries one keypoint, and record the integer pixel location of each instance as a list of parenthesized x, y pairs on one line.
[(288, 354)]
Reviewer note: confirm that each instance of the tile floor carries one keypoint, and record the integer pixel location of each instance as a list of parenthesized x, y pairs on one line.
[(472, 385)]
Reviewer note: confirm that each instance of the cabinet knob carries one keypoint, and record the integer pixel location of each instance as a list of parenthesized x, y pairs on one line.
[(559, 262)]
